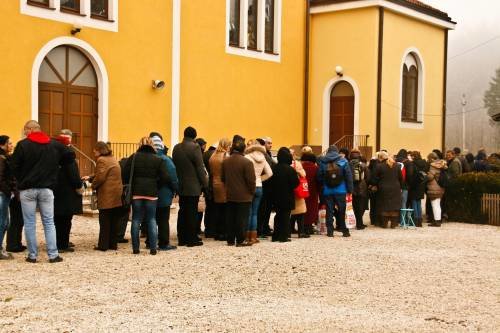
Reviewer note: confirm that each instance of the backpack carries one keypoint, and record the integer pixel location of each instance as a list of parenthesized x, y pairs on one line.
[(334, 175), (357, 171)]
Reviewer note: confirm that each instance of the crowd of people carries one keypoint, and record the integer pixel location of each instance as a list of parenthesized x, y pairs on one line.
[(232, 187)]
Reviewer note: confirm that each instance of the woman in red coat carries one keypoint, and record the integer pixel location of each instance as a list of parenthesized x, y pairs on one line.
[(308, 160)]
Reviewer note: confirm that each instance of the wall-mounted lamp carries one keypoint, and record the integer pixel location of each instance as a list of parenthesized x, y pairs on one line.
[(339, 70), (158, 84), (77, 27)]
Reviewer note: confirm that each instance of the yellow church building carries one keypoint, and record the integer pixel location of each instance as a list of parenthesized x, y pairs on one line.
[(368, 73)]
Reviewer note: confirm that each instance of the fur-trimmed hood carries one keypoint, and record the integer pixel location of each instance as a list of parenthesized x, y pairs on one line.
[(256, 153)]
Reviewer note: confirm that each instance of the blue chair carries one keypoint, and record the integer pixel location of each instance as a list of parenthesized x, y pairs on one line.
[(407, 219)]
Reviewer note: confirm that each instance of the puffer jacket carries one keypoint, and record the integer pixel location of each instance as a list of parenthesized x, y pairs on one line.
[(347, 185), (150, 172), (434, 191), (166, 192), (257, 155)]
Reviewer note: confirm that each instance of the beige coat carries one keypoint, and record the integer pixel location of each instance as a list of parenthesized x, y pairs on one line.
[(300, 203), (108, 183), (263, 171), (434, 191), (219, 189)]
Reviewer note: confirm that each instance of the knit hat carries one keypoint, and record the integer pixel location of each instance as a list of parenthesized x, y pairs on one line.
[(157, 143), (333, 148)]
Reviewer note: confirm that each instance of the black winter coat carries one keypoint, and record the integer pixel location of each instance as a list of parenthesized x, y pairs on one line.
[(389, 183), (193, 176), (150, 173), (66, 200), (282, 183), (36, 165), (7, 180), (417, 187)]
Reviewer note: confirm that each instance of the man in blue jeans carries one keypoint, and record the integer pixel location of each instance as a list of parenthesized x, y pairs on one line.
[(336, 177), (35, 163)]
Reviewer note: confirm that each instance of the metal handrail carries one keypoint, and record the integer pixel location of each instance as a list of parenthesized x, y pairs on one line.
[(84, 155), (351, 141)]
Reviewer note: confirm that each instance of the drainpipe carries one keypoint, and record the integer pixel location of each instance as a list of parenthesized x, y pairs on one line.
[(306, 77)]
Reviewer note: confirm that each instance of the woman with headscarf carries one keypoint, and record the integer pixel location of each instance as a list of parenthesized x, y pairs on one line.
[(282, 184), (389, 181)]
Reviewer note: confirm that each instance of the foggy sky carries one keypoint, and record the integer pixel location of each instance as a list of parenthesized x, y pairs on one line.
[(470, 68)]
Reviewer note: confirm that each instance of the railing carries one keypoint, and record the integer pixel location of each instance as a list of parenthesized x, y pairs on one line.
[(85, 163), (122, 150), (352, 141), (490, 206)]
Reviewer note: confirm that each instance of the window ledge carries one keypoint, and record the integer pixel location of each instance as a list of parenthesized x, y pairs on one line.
[(102, 18), (411, 121), (256, 54), (40, 5), (72, 12)]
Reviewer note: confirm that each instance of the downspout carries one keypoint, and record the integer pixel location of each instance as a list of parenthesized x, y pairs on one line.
[(445, 80), (176, 71), (306, 77), (379, 75)]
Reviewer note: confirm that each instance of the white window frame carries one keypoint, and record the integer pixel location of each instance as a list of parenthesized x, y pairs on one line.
[(421, 91), (84, 19), (242, 50)]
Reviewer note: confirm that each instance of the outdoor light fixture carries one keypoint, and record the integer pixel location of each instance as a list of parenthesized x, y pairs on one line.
[(77, 27), (158, 84), (339, 70)]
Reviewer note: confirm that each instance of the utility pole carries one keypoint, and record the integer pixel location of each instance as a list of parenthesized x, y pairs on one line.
[(464, 103)]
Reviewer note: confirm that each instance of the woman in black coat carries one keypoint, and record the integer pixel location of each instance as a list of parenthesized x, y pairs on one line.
[(148, 174), (417, 186), (282, 184), (389, 181), (67, 196)]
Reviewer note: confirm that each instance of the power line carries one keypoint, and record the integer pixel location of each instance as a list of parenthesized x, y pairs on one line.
[(474, 47), (439, 115)]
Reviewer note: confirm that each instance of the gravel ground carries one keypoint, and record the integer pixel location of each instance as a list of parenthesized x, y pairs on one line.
[(425, 280)]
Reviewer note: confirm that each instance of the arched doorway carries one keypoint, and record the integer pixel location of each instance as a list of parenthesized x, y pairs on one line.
[(341, 111), (67, 98)]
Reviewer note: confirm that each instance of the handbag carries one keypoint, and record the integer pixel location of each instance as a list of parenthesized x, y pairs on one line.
[(302, 190), (127, 188), (93, 200)]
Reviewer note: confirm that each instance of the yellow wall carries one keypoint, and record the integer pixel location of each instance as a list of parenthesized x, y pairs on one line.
[(401, 33), (224, 94), (348, 39), (135, 55)]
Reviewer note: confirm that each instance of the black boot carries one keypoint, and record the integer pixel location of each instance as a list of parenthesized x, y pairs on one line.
[(435, 224), (302, 231)]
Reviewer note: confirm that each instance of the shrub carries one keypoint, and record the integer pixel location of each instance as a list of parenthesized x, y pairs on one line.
[(463, 196)]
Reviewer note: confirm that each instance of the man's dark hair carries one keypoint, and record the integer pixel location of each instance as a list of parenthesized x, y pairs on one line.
[(190, 132), (261, 141), (457, 151), (4, 139), (237, 137), (155, 134), (238, 146), (438, 153)]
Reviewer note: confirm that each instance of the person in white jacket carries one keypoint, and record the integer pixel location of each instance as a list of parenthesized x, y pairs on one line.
[(256, 153)]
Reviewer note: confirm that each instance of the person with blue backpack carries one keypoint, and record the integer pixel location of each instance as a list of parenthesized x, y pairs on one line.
[(336, 177)]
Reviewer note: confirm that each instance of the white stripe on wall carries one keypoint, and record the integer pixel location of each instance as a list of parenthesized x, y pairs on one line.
[(176, 70)]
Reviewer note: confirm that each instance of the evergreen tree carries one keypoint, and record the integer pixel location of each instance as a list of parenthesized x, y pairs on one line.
[(492, 97)]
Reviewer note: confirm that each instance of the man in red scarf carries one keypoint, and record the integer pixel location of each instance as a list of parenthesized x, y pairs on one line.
[(35, 163)]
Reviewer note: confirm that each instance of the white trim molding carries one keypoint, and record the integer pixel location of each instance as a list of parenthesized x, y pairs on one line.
[(421, 90), (83, 20), (100, 70), (242, 49), (176, 72), (386, 4), (326, 107)]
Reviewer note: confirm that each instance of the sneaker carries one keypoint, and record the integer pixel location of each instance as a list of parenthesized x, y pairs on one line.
[(199, 243), (136, 251), (33, 261), (152, 252), (361, 227), (346, 233), (5, 256), (167, 248), (56, 259)]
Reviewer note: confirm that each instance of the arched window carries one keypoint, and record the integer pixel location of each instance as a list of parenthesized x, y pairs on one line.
[(410, 91)]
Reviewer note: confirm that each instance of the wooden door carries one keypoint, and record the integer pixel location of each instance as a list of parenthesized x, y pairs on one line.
[(341, 117), (68, 99)]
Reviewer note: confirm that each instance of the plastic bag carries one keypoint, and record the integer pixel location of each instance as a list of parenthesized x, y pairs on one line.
[(350, 218)]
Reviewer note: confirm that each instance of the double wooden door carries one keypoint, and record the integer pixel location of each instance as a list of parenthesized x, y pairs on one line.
[(68, 100)]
